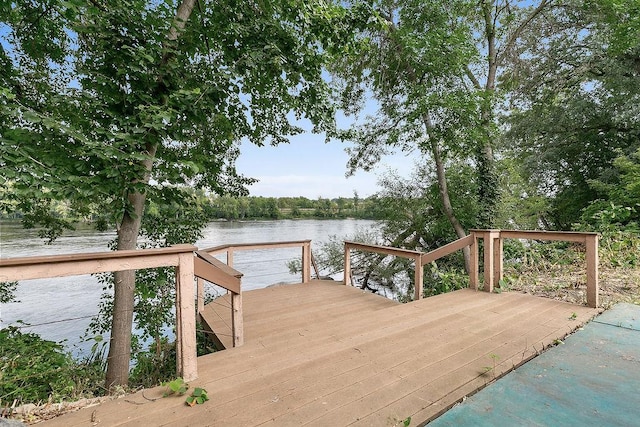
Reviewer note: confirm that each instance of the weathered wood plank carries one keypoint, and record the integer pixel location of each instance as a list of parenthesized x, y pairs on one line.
[(370, 365), (253, 246), (25, 268), (215, 271), (448, 249)]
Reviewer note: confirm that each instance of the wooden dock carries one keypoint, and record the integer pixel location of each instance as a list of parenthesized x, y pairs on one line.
[(325, 354)]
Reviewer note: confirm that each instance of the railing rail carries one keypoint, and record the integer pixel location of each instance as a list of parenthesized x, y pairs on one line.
[(211, 269), (179, 256), (384, 250), (447, 249), (232, 248), (492, 256)]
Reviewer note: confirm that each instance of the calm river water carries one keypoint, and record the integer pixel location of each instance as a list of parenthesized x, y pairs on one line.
[(60, 309)]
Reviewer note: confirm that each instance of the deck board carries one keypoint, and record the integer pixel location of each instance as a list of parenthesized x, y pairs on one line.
[(326, 354)]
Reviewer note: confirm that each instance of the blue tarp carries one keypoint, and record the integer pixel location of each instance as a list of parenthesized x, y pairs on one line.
[(593, 379)]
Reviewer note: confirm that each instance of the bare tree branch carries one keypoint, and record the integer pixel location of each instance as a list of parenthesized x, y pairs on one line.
[(516, 33)]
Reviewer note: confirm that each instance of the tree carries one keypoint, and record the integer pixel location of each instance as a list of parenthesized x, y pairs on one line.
[(432, 68), (574, 103), (113, 104)]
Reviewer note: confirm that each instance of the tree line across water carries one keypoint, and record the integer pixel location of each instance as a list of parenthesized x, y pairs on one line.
[(241, 208)]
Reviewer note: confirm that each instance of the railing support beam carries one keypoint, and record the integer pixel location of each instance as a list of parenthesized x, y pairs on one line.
[(306, 262), (490, 262), (473, 254), (591, 243), (237, 322), (347, 264), (419, 279), (186, 353)]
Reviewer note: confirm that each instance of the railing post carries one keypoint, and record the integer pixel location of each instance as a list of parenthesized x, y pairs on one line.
[(419, 279), (237, 325), (593, 297), (186, 354), (347, 265), (200, 295), (489, 236), (498, 260), (473, 254), (230, 257), (306, 262)]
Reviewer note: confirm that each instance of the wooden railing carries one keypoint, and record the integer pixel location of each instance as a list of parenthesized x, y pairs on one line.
[(231, 249), (211, 269), (492, 256), (384, 250), (179, 256), (205, 266)]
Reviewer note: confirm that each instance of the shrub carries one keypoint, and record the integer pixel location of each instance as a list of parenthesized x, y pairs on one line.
[(33, 369)]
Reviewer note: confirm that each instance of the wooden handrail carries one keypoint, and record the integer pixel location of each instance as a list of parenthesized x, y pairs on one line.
[(565, 236), (252, 246), (178, 256), (211, 269), (215, 271), (493, 255), (37, 267), (385, 250), (231, 248), (447, 249)]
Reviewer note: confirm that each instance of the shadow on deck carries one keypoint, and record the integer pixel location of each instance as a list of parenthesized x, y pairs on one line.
[(326, 354)]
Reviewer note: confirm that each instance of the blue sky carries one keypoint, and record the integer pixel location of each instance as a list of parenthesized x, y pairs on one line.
[(311, 168)]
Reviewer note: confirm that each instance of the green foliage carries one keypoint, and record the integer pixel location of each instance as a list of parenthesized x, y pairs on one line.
[(412, 210), (619, 233), (176, 386), (154, 364), (179, 387), (439, 281), (34, 370), (7, 291), (110, 108), (433, 69), (198, 397), (246, 207), (573, 109)]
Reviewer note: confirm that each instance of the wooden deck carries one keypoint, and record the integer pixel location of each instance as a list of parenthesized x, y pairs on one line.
[(325, 354)]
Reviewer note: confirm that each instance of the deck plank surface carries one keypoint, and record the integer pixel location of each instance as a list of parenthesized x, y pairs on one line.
[(326, 354)]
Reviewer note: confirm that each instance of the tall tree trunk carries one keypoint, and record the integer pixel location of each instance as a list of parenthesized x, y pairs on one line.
[(488, 192), (488, 188), (119, 355), (441, 175), (488, 185), (443, 190)]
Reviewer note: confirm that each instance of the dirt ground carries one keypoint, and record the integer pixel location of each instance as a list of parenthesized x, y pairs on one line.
[(568, 284)]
